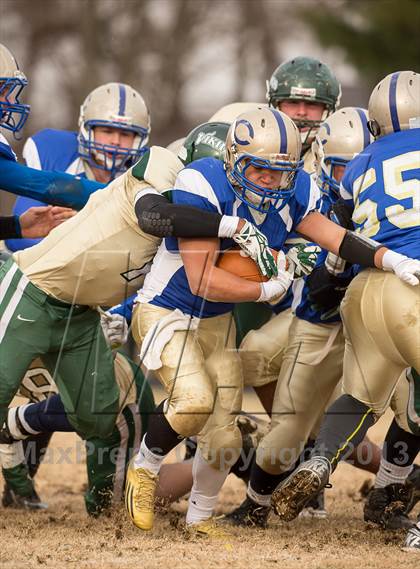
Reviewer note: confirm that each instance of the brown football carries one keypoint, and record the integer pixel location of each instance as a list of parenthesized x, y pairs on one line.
[(233, 262)]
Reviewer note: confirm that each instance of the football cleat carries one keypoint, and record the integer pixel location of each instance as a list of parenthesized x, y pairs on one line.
[(140, 490), (292, 495), (210, 529), (12, 500), (315, 508), (388, 506), (412, 541), (249, 514)]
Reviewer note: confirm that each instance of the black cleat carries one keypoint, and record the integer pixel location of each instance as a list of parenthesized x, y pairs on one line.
[(249, 514), (413, 482), (12, 500), (388, 507), (292, 495)]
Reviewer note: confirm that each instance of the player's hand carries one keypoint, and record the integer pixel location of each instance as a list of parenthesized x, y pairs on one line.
[(302, 258), (276, 288), (335, 265), (115, 329), (255, 245), (406, 269), (39, 221)]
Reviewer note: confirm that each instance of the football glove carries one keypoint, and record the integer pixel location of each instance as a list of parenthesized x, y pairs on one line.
[(275, 289), (302, 258), (406, 269), (115, 329), (335, 265), (255, 245)]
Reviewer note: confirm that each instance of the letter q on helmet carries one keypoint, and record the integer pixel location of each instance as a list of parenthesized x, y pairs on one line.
[(394, 104), (13, 113), (113, 105), (263, 138)]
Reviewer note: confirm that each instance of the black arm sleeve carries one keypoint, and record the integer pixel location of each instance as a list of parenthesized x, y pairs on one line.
[(9, 228), (157, 216), (359, 250)]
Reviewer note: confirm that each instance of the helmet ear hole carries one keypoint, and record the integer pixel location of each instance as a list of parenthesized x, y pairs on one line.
[(374, 128)]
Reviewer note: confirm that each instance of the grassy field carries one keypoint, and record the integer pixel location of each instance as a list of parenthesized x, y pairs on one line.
[(64, 536)]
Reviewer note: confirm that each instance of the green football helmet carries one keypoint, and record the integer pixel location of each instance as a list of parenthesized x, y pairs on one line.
[(305, 79), (207, 139)]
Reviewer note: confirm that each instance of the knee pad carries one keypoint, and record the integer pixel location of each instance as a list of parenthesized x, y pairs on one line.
[(275, 460), (221, 447), (189, 417)]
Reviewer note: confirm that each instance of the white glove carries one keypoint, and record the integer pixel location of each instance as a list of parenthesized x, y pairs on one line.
[(406, 269), (115, 329), (275, 289), (303, 258), (255, 245)]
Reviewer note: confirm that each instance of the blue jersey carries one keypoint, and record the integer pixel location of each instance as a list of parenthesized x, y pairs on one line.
[(48, 149), (203, 184), (6, 153), (382, 185), (125, 309)]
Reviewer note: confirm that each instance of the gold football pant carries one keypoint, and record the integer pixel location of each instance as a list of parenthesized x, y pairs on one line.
[(311, 369), (262, 350), (202, 376), (381, 320)]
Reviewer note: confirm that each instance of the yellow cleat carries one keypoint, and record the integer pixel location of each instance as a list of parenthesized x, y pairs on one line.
[(210, 529), (140, 489)]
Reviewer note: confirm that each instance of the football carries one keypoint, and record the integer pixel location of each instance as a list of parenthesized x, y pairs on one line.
[(234, 261)]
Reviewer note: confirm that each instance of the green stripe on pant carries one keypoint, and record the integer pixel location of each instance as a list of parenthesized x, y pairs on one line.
[(71, 344)]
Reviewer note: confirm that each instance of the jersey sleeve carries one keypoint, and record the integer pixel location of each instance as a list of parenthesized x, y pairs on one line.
[(50, 187), (307, 198), (192, 188)]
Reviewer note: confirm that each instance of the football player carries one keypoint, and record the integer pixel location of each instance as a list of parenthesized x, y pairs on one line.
[(188, 340), (114, 128), (379, 311), (13, 114), (308, 367), (308, 92)]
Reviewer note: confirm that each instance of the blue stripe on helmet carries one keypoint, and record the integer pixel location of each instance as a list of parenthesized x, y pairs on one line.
[(283, 131), (121, 108), (363, 120), (393, 102)]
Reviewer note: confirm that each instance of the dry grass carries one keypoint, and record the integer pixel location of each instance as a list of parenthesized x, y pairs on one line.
[(64, 536)]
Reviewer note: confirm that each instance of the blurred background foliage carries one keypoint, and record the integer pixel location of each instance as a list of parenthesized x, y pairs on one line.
[(189, 57)]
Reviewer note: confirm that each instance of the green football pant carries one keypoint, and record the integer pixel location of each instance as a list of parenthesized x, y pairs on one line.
[(69, 340), (107, 458)]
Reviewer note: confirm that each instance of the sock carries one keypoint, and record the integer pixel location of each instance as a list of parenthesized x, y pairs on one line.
[(389, 473), (344, 427), (400, 447), (207, 482), (48, 416), (160, 437), (34, 449), (145, 458), (262, 484)]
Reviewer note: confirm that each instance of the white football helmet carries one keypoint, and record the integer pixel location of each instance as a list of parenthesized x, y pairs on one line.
[(340, 137), (394, 104), (13, 114), (228, 113), (113, 105), (263, 138)]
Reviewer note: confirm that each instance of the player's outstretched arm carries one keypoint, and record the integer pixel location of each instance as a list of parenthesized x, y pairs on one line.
[(357, 249), (51, 187)]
